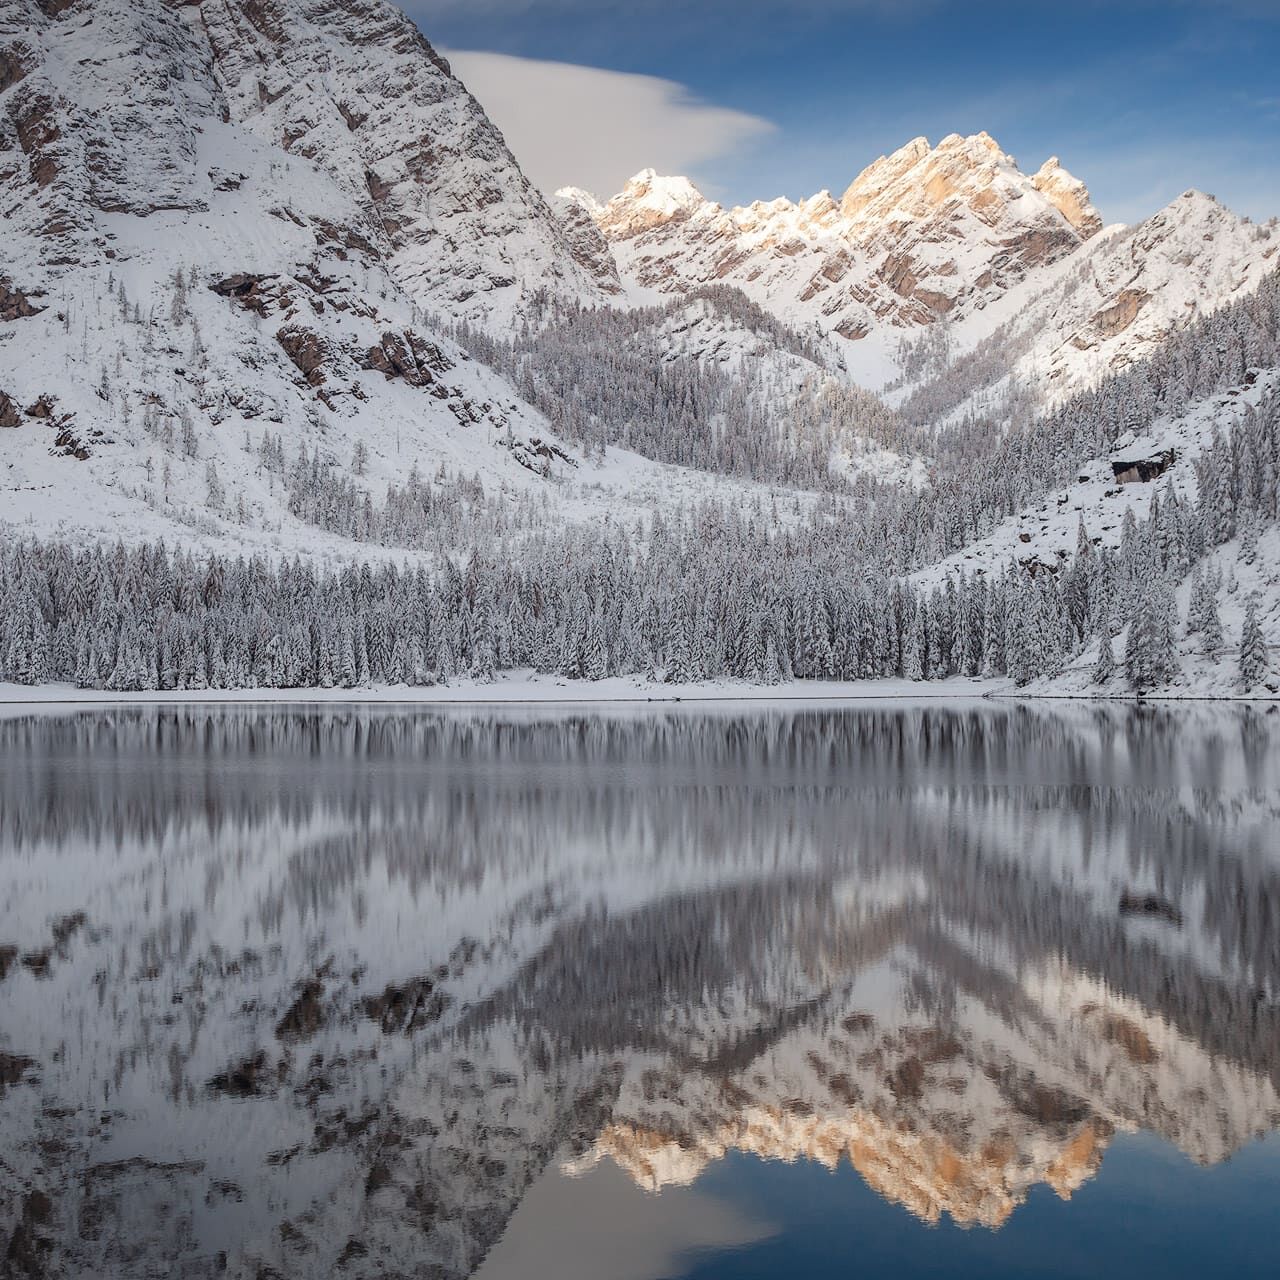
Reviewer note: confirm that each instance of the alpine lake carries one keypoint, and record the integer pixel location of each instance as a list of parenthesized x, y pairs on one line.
[(983, 989)]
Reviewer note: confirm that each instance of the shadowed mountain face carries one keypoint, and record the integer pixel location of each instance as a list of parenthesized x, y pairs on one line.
[(296, 992)]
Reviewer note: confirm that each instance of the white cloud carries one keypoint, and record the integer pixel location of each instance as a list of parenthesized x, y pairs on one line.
[(586, 127)]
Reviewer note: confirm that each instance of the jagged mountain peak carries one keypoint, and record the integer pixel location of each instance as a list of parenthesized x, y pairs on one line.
[(880, 173), (955, 233), (919, 181), (649, 200), (1069, 195), (914, 180), (1195, 201)]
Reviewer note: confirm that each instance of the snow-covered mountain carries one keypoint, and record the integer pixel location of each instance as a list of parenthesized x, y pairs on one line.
[(954, 239), (1095, 313), (1143, 467), (192, 250), (355, 87), (225, 226), (924, 233), (110, 110)]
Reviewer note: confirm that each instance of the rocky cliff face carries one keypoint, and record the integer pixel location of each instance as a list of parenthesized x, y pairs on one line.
[(1134, 288), (590, 250), (106, 104), (354, 86), (101, 113), (226, 221)]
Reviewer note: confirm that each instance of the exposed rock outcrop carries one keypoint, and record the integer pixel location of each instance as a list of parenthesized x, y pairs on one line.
[(245, 289), (307, 350), (1069, 196), (576, 211), (14, 304), (9, 415), (1130, 470), (409, 357)]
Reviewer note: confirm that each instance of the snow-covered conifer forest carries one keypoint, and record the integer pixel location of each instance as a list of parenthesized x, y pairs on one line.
[(288, 400)]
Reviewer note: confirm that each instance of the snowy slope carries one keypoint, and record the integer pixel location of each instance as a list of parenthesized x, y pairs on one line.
[(1045, 538), (193, 287), (1107, 306), (1244, 576), (786, 383), (1046, 534)]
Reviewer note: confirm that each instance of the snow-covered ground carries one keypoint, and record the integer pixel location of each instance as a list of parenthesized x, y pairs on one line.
[(524, 686), (1047, 532), (516, 687)]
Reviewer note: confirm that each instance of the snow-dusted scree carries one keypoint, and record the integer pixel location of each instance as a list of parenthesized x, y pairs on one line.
[(300, 993), (274, 292)]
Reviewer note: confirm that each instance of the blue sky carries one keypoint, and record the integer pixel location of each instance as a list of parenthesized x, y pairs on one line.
[(1140, 98)]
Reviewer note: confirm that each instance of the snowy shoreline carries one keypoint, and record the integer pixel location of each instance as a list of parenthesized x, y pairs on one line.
[(523, 689)]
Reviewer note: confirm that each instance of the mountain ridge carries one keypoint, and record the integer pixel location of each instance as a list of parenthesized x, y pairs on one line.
[(918, 234), (935, 240)]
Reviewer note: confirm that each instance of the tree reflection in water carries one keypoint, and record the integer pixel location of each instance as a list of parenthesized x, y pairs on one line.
[(292, 991)]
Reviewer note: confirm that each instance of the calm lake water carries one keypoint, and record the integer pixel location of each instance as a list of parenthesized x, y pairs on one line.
[(976, 991)]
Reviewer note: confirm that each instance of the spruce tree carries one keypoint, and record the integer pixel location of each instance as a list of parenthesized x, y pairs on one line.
[(1253, 649), (1137, 652), (1211, 638), (1105, 667)]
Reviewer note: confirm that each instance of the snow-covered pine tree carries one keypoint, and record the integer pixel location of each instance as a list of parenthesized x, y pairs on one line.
[(1211, 638), (1104, 669), (1253, 649), (1150, 652)]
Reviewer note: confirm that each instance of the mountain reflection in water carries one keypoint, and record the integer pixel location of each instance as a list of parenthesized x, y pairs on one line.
[(293, 992)]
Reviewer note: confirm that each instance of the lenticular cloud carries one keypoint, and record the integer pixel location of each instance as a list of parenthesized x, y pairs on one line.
[(586, 127)]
